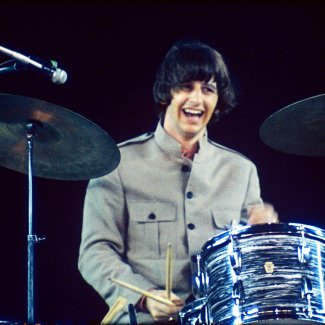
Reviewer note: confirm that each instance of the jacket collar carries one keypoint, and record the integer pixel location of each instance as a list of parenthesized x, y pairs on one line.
[(171, 146)]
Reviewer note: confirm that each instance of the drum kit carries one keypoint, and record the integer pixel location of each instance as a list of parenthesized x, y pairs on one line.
[(272, 273)]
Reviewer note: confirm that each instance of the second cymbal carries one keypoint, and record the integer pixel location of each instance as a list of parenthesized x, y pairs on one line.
[(298, 128)]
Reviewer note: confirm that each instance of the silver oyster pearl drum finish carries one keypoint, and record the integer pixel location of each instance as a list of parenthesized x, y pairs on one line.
[(269, 274), (193, 313)]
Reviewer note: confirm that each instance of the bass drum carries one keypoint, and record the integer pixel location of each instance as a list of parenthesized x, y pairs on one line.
[(272, 273), (8, 322), (5, 322)]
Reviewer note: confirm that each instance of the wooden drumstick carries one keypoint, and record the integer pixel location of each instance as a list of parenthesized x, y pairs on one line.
[(143, 292), (169, 271), (117, 307)]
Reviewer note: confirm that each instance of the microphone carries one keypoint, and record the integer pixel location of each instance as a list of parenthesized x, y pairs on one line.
[(58, 76)]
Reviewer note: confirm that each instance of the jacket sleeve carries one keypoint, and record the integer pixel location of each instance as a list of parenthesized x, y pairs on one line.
[(253, 194), (104, 243)]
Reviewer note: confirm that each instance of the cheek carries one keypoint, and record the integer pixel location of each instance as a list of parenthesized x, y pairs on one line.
[(212, 105), (177, 104), (179, 97), (172, 110), (215, 101)]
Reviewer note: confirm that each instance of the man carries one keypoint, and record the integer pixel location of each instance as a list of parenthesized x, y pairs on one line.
[(172, 186)]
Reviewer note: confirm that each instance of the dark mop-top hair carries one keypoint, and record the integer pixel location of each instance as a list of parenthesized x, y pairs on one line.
[(188, 61)]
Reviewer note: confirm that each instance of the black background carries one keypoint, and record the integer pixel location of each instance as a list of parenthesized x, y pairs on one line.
[(275, 52)]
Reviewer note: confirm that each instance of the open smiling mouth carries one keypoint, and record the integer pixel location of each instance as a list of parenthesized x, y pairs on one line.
[(192, 112)]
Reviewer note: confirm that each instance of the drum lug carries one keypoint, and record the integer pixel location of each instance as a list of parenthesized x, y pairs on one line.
[(235, 260), (307, 292), (304, 254), (199, 280), (238, 292), (306, 287), (199, 285), (238, 296), (204, 315)]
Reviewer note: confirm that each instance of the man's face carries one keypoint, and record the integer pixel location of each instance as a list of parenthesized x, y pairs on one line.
[(190, 110)]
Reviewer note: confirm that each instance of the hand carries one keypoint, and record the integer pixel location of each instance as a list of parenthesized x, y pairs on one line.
[(161, 312), (262, 214)]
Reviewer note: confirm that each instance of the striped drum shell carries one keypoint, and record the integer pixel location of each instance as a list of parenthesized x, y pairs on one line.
[(265, 273)]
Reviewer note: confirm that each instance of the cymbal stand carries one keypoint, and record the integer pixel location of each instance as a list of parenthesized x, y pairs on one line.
[(32, 239)]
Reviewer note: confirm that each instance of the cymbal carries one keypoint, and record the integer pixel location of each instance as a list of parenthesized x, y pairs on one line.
[(298, 128), (66, 146)]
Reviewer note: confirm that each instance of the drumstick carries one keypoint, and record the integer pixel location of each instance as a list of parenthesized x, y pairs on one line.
[(118, 305), (143, 292), (169, 270)]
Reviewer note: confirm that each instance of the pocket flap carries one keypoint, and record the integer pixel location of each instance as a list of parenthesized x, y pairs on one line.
[(152, 211)]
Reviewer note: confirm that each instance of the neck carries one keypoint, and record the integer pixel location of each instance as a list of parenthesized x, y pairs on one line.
[(189, 152), (188, 145), (187, 141)]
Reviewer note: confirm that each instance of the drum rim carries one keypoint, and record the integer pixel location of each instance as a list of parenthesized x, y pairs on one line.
[(278, 313), (261, 229)]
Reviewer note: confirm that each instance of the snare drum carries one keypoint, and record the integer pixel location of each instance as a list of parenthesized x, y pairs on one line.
[(194, 313), (265, 273)]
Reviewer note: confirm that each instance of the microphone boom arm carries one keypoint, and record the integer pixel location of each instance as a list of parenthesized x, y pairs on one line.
[(58, 76)]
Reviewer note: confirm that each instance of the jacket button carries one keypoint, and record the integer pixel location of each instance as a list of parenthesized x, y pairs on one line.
[(189, 195), (185, 168), (191, 226), (194, 258), (152, 216)]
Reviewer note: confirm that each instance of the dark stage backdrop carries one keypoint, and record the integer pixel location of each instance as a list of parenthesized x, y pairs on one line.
[(275, 52)]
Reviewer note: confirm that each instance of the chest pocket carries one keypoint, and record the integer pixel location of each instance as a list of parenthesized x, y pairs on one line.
[(151, 227)]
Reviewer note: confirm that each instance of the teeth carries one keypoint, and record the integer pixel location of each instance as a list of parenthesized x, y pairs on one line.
[(192, 111)]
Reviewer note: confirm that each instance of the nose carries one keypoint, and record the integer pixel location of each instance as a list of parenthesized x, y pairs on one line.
[(196, 95)]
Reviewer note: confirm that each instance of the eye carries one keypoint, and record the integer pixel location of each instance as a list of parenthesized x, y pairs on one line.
[(184, 87), (209, 89)]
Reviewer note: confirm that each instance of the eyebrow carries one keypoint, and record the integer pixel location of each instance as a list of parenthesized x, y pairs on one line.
[(204, 83)]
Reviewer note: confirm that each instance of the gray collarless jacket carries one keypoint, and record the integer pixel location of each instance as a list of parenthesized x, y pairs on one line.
[(155, 197)]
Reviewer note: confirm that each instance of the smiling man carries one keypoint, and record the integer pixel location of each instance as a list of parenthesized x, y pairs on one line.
[(189, 112), (172, 186)]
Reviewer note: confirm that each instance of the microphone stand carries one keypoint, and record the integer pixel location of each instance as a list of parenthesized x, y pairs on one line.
[(32, 239)]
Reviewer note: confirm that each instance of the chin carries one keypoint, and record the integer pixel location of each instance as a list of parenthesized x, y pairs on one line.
[(191, 133)]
